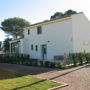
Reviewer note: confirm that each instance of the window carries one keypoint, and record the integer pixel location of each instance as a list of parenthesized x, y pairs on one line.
[(39, 30), (22, 36), (32, 47), (36, 47), (28, 31)]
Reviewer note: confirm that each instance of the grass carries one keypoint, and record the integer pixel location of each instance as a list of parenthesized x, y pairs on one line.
[(13, 81)]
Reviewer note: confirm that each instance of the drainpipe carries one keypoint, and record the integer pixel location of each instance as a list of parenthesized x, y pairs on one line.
[(10, 48)]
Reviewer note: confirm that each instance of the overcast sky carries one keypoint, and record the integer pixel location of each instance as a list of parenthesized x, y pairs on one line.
[(39, 10)]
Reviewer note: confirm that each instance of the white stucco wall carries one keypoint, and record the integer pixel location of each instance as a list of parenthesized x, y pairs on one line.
[(69, 35), (59, 35), (21, 43), (81, 33), (24, 46)]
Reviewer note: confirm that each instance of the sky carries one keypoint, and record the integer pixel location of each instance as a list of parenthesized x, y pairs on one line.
[(39, 10)]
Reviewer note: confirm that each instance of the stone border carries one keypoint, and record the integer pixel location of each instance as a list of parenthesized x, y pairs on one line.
[(58, 87)]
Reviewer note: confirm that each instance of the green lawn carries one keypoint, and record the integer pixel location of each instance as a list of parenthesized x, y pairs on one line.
[(13, 81)]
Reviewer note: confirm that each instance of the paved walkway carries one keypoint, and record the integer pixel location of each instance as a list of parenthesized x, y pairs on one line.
[(78, 78)]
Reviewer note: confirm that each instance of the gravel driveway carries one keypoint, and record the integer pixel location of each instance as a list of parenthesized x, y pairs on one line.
[(78, 78)]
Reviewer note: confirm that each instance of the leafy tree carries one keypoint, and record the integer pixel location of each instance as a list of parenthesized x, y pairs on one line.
[(69, 12), (6, 45), (60, 14), (57, 15), (14, 26)]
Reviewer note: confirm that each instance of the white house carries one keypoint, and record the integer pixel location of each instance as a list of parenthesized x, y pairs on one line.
[(49, 39)]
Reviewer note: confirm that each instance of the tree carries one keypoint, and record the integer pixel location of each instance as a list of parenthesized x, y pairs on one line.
[(60, 14), (57, 15), (69, 12), (6, 45), (14, 26)]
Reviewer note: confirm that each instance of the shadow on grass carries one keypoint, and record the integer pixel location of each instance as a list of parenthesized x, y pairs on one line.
[(5, 74), (29, 85)]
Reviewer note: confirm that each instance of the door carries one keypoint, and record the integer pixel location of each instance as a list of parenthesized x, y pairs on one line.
[(44, 52)]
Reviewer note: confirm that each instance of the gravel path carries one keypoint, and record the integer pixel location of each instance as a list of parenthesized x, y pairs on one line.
[(78, 78)]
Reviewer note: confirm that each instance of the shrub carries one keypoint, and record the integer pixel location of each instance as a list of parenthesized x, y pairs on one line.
[(41, 63), (52, 64), (87, 55), (73, 57), (79, 58), (30, 62), (34, 62), (60, 65), (47, 64)]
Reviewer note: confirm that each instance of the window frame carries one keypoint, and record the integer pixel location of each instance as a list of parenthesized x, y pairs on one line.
[(39, 30), (36, 47), (32, 47), (28, 31)]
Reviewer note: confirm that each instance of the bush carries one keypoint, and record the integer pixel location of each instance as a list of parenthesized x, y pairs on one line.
[(47, 64), (34, 62), (73, 58), (52, 64), (87, 57), (60, 65), (41, 63), (79, 58)]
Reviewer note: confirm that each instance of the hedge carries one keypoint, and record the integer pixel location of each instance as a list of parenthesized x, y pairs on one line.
[(78, 58), (72, 59), (25, 60)]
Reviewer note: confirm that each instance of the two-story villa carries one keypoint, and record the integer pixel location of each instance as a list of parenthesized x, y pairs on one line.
[(51, 38)]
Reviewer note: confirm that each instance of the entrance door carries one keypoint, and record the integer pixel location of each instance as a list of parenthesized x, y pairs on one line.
[(44, 52)]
